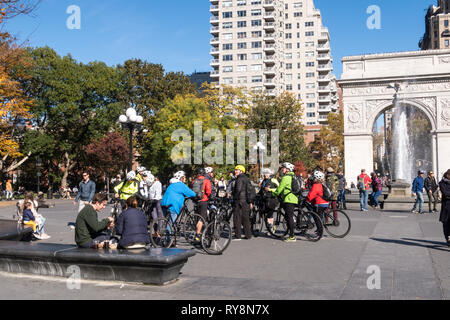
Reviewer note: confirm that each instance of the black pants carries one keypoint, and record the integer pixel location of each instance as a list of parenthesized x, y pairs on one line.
[(270, 206), (289, 210), (203, 210), (446, 226), (241, 216)]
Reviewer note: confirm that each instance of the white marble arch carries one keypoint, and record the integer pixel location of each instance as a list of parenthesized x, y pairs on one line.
[(368, 88)]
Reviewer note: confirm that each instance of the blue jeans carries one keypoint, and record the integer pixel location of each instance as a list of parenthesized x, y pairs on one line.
[(363, 198), (341, 197), (172, 214), (419, 201), (375, 196)]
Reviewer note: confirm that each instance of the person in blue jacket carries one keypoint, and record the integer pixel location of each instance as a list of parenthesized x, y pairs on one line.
[(417, 190), (176, 193), (132, 226)]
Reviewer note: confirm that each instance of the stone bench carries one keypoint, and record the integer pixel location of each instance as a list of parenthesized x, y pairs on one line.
[(11, 230), (147, 266)]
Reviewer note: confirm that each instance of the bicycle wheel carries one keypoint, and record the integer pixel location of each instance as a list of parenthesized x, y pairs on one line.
[(216, 237), (256, 222), (190, 226), (339, 227), (162, 233), (310, 226), (279, 228)]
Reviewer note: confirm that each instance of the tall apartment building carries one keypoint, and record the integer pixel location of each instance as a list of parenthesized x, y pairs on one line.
[(437, 33), (275, 46)]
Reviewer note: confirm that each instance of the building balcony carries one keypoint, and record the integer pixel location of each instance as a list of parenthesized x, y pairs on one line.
[(323, 47), (323, 57), (214, 51), (325, 67), (214, 20), (269, 37), (324, 99), (270, 71), (324, 79), (214, 62), (214, 74), (323, 89), (214, 8), (214, 30), (269, 59), (269, 5), (270, 16), (270, 83), (324, 36), (214, 2), (271, 93), (269, 48), (269, 26), (324, 109), (214, 41), (322, 119)]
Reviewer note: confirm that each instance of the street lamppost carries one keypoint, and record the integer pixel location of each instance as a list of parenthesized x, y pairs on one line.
[(131, 121), (257, 147), (39, 173)]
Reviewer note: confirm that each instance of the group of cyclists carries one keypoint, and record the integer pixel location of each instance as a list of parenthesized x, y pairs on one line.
[(286, 194)]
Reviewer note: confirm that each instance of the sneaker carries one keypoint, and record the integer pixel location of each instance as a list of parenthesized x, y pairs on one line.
[(413, 211), (45, 237), (197, 238), (290, 239), (364, 210)]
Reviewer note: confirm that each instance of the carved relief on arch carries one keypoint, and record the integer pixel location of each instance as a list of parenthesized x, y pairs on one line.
[(355, 116), (445, 112), (373, 107)]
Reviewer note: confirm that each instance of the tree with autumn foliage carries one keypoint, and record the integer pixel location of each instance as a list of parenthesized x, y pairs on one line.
[(328, 147)]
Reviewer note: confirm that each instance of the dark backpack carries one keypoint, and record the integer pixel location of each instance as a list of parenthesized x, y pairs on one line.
[(250, 192), (327, 193), (296, 185), (197, 187)]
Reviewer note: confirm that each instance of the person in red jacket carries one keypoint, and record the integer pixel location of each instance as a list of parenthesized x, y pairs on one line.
[(315, 195), (363, 185), (203, 203)]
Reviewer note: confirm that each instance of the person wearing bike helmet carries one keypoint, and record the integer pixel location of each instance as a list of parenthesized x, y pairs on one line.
[(289, 200), (315, 195), (268, 186), (202, 185), (210, 176), (144, 186), (128, 188), (241, 204), (176, 193)]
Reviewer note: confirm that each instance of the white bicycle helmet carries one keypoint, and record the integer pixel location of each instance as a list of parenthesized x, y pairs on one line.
[(140, 169), (179, 175), (209, 170), (318, 175), (131, 175), (147, 173), (150, 179), (288, 166), (267, 171)]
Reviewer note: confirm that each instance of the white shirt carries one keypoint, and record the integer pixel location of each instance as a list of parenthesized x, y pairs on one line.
[(156, 191), (143, 189)]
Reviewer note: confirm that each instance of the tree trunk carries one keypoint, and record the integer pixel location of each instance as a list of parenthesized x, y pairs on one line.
[(16, 163), (69, 166)]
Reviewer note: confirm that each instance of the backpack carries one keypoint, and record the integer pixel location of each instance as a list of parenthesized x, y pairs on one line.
[(332, 183), (327, 193), (361, 183), (296, 185), (250, 192), (197, 187)]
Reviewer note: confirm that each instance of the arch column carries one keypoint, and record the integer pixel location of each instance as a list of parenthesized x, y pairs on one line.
[(358, 155)]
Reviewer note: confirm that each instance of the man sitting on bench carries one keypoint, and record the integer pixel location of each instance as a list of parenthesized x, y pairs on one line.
[(89, 230)]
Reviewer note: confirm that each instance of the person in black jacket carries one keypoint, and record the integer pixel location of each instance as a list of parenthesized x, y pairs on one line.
[(132, 226), (241, 206), (444, 185), (432, 189)]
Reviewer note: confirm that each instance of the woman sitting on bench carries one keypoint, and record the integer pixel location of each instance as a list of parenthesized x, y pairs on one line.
[(132, 227)]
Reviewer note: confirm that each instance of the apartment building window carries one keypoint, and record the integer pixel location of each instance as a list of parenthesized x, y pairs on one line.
[(242, 35), (242, 13), (286, 16), (299, 86), (256, 23), (310, 85), (289, 76), (228, 80), (256, 56), (256, 79), (228, 69), (446, 23), (289, 87), (298, 5), (242, 57), (288, 35), (227, 36), (298, 25), (298, 14), (227, 25), (256, 44), (446, 43), (299, 55), (309, 33), (256, 34), (256, 12), (288, 66), (299, 96), (286, 6), (242, 80), (242, 24), (310, 95), (311, 124), (228, 14), (309, 44), (309, 54), (227, 46), (309, 24), (298, 45), (299, 76), (242, 3), (310, 75), (288, 26), (227, 57), (299, 65), (289, 46), (242, 68), (256, 67), (256, 2), (310, 105), (310, 64), (311, 114), (227, 4), (242, 45), (288, 56)]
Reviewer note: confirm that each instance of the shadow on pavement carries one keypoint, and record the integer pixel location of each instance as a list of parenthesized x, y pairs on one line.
[(441, 246)]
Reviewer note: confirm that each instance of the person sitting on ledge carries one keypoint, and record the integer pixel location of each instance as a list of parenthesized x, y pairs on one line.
[(132, 226), (88, 229)]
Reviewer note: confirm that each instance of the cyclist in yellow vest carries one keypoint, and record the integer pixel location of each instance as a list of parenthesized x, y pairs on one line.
[(126, 189), (140, 175)]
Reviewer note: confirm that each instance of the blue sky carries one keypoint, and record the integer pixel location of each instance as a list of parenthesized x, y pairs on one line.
[(176, 34)]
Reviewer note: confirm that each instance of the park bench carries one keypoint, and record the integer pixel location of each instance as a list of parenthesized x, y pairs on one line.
[(147, 266)]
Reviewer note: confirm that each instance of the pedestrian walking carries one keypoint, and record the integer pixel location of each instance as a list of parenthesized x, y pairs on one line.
[(377, 189), (417, 190), (341, 200), (9, 190), (432, 189), (363, 186), (86, 192), (444, 186)]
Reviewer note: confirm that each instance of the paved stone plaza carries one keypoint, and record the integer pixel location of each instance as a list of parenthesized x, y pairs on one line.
[(409, 250)]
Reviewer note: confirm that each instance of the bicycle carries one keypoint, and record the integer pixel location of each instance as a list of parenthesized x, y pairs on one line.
[(165, 231), (336, 222), (216, 237), (257, 216)]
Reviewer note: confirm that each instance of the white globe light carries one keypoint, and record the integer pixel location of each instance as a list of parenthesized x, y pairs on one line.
[(139, 119), (133, 118), (131, 112), (123, 119)]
